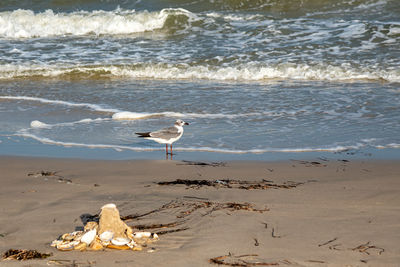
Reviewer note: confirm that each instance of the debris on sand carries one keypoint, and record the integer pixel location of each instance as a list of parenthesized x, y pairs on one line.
[(109, 232), (21, 255), (241, 260), (232, 184)]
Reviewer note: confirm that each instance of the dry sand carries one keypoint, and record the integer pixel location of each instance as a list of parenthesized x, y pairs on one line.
[(323, 222)]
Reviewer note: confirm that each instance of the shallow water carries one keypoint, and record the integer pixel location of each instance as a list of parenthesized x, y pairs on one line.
[(249, 76)]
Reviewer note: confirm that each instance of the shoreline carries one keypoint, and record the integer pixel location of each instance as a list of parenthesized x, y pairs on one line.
[(343, 203), (22, 147)]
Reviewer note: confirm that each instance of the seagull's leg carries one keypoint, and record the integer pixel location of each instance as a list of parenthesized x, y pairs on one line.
[(166, 149), (171, 149)]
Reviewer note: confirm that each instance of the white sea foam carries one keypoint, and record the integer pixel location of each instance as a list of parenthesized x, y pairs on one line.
[(235, 16), (27, 24), (127, 115), (268, 150), (49, 141), (243, 72), (45, 140), (355, 30), (251, 72), (39, 124), (60, 102), (391, 145), (394, 30), (123, 115)]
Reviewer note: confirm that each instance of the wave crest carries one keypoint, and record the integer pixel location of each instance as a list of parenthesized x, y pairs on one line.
[(242, 72), (28, 24)]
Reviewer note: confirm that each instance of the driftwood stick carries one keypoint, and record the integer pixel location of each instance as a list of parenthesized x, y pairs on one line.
[(327, 242)]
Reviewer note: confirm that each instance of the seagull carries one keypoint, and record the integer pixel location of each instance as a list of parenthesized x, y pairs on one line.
[(166, 135)]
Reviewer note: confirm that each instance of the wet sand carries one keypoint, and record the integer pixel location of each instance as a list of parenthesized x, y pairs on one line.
[(337, 213)]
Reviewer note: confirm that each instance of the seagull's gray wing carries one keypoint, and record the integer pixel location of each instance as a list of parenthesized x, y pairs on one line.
[(166, 133)]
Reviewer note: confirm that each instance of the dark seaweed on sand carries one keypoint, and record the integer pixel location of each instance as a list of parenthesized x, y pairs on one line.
[(18, 254), (227, 183)]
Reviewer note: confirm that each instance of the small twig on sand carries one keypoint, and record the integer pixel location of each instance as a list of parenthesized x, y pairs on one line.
[(327, 242), (363, 248), (316, 261)]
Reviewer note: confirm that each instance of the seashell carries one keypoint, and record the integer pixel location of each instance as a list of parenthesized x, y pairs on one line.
[(106, 236), (120, 241), (67, 237), (88, 237), (67, 245), (142, 235), (56, 242), (81, 246), (72, 236)]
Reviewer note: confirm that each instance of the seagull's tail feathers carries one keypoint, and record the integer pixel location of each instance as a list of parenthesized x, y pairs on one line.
[(143, 134)]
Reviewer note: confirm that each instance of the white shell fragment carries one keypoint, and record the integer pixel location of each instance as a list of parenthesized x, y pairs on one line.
[(67, 245), (88, 237), (145, 235), (106, 236), (120, 241), (141, 234)]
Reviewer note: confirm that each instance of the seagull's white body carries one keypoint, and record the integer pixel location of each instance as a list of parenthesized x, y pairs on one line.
[(179, 130), (167, 135)]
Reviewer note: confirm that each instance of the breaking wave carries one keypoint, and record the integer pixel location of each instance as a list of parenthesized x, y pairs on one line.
[(278, 6), (28, 24), (242, 72)]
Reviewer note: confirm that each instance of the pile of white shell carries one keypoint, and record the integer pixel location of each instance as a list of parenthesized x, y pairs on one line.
[(110, 232)]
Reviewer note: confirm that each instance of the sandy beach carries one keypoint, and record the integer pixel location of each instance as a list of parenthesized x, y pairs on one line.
[(322, 212)]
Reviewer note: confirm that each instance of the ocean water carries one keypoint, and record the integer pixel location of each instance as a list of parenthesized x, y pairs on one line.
[(252, 77)]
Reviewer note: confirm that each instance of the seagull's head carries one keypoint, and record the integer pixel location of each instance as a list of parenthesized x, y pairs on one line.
[(181, 123)]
